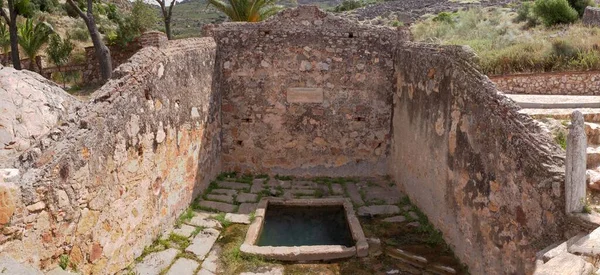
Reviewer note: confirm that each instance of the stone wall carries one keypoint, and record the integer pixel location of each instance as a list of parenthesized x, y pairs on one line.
[(120, 54), (564, 83), (306, 93), (123, 167), (591, 16), (488, 177)]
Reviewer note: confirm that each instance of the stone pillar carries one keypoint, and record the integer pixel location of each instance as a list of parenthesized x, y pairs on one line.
[(575, 163)]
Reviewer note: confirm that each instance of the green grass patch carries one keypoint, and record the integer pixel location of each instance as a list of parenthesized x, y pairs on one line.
[(181, 241), (186, 216), (561, 140), (232, 259), (221, 219), (278, 177)]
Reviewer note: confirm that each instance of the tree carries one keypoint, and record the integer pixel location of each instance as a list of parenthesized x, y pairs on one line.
[(167, 12), (130, 27), (32, 38), (580, 5), (4, 42), (13, 9), (102, 52), (59, 52), (247, 10)]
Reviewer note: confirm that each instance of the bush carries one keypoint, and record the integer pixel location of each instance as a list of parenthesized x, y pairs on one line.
[(80, 34), (579, 5), (348, 5), (553, 12), (444, 17), (525, 14), (45, 5)]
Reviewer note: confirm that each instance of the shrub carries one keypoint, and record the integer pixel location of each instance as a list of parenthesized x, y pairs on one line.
[(45, 5), (525, 14), (553, 12), (348, 5), (579, 5), (80, 34), (444, 17)]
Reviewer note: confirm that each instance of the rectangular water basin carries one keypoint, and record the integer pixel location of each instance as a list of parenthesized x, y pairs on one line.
[(305, 230)]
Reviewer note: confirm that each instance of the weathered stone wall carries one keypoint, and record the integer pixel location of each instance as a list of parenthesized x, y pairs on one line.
[(123, 167), (119, 54), (30, 106), (563, 83), (306, 93), (485, 175)]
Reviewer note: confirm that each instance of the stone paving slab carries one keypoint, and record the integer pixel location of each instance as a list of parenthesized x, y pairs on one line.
[(395, 219), (247, 208), (337, 189), (257, 188), (205, 272), (229, 192), (246, 197), (219, 206), (276, 182), (204, 221), (233, 185), (212, 263), (221, 198), (259, 181), (238, 218), (354, 194), (203, 242), (375, 210), (183, 266), (185, 230), (155, 262), (387, 195), (266, 271)]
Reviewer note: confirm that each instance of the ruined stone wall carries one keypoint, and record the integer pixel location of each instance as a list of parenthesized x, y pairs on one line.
[(485, 175), (118, 172), (563, 83), (306, 93)]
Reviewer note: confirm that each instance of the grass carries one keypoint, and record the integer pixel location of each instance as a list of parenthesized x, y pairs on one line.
[(63, 261), (221, 219), (157, 245), (505, 46), (186, 216), (233, 260), (181, 241), (278, 177)]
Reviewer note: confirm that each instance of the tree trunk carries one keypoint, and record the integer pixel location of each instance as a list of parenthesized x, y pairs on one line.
[(168, 27), (102, 52), (14, 38)]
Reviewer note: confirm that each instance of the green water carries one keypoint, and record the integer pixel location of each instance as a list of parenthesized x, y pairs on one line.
[(296, 226)]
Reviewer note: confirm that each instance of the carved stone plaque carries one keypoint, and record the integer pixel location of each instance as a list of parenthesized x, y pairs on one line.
[(305, 95)]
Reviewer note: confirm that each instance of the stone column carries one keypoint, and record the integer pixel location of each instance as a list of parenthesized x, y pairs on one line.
[(575, 164)]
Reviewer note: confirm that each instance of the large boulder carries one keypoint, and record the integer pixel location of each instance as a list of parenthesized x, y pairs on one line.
[(30, 106)]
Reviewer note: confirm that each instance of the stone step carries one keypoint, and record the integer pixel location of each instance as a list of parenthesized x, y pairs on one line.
[(588, 245), (593, 157), (555, 101), (589, 115), (557, 248), (564, 263), (233, 185)]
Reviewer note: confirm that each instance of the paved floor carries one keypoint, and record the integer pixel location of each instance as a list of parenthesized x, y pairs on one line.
[(199, 244)]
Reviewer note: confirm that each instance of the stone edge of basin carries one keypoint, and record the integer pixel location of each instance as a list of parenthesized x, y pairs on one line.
[(311, 252)]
